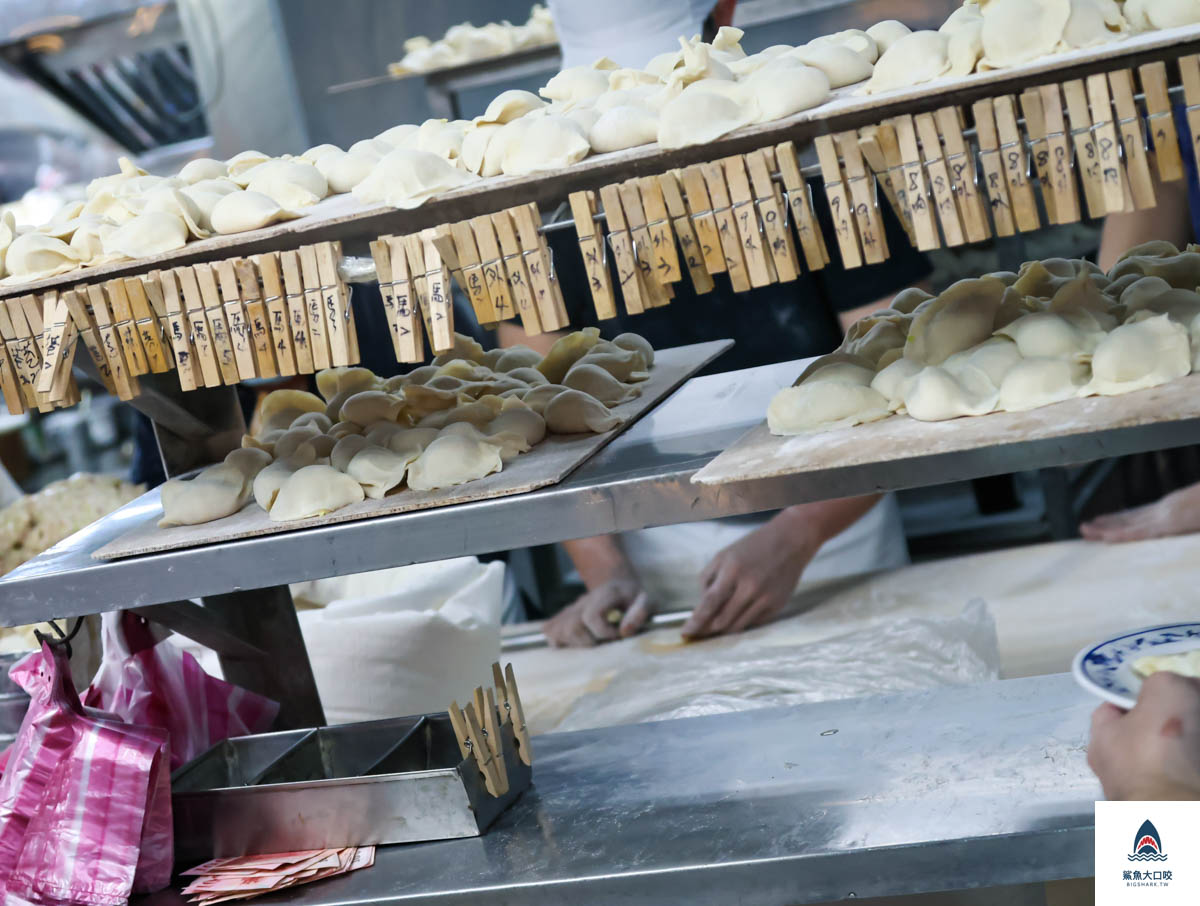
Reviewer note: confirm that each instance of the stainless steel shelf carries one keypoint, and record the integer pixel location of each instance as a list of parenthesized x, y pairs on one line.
[(641, 479), (945, 789)]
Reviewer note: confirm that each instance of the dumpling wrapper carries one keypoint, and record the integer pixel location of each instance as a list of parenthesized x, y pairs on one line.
[(379, 469), (314, 491), (216, 492), (547, 143), (574, 412), (238, 212), (32, 256), (453, 459), (406, 179), (823, 406)]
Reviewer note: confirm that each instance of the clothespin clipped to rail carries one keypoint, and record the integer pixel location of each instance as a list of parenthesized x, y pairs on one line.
[(1087, 157), (773, 214), (513, 265), (689, 242), (266, 317), (1062, 170), (391, 265), (916, 188), (704, 222), (727, 231), (75, 301), (619, 238), (297, 307), (24, 378), (1039, 149), (152, 289), (798, 196), (14, 399), (1117, 195), (27, 319), (759, 264), (840, 208), (437, 295), (491, 262), (218, 326), (964, 179), (995, 183), (66, 391), (655, 293), (122, 320), (939, 179), (1016, 165), (871, 148), (314, 307), (110, 341), (1131, 132), (594, 253), (474, 281), (58, 346), (178, 329), (146, 325), (339, 313), (382, 256), (235, 317), (662, 237), (539, 262), (864, 197), (1160, 119)]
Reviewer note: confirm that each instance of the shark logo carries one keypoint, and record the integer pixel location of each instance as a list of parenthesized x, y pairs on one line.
[(1147, 845)]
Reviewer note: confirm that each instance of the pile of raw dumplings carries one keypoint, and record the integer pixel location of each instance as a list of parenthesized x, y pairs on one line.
[(465, 43), (456, 420), (1006, 342)]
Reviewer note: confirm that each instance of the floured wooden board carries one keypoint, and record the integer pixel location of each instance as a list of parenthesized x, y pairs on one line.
[(546, 464), (342, 217), (760, 454)]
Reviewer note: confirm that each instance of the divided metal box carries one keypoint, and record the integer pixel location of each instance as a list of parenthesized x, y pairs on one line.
[(402, 780)]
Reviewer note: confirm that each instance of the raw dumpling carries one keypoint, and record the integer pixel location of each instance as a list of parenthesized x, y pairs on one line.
[(823, 406), (595, 381), (420, 401), (623, 127), (521, 419), (282, 407), (522, 357), (241, 163), (623, 364), (267, 482), (1140, 355), (917, 57), (344, 429), (529, 376), (872, 337), (1017, 31), (216, 492), (510, 443), (841, 65), (1042, 334), (316, 152), (332, 381), (346, 449), (1039, 382), (964, 47), (908, 299), (475, 145), (465, 347), (565, 352), (463, 369), (203, 168), (539, 397), (249, 461), (478, 413), (314, 491), (381, 433), (637, 343), (887, 33), (935, 395), (546, 143), (32, 256), (892, 382), (343, 171), (699, 117), (994, 358), (1181, 305), (574, 412), (173, 201), (856, 39), (958, 319), (1093, 22), (1147, 14), (370, 406), (575, 84), (1139, 293), (152, 233), (511, 104), (379, 469), (406, 179), (453, 459), (411, 440), (290, 440), (785, 86), (845, 372), (241, 211), (1182, 271)]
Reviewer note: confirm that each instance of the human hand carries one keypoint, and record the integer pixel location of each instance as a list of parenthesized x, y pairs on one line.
[(748, 583), (1178, 513), (1153, 750), (589, 620)]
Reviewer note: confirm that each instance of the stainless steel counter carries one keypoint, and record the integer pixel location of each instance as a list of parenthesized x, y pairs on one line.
[(952, 788), (641, 479)]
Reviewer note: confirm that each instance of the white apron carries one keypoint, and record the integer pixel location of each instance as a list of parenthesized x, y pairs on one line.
[(669, 559)]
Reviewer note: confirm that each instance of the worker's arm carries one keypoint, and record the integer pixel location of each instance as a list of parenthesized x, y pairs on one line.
[(612, 586), (1169, 220)]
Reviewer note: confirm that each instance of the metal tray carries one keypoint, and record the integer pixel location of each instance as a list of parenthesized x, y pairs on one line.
[(402, 780)]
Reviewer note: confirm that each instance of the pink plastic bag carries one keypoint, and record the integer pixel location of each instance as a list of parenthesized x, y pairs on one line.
[(85, 808), (154, 683)]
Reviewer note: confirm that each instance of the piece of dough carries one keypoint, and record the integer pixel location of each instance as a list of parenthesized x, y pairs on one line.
[(1043, 334), (280, 408), (1039, 382), (595, 381), (216, 492), (1017, 31), (314, 491), (917, 57), (511, 104), (575, 412), (32, 256), (407, 179), (623, 127), (203, 168), (369, 406), (823, 406), (959, 318), (887, 33), (379, 469), (786, 86), (238, 212), (249, 461), (1140, 355), (936, 395), (1186, 663), (547, 143), (699, 117), (453, 459), (1093, 22)]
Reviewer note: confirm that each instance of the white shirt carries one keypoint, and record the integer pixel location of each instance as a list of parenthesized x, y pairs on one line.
[(630, 32)]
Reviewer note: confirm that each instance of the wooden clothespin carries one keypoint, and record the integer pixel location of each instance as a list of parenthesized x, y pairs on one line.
[(268, 323), (939, 179), (319, 338), (339, 316), (662, 236), (1039, 148), (110, 340), (1117, 195), (64, 392), (504, 705), (14, 399), (1016, 164), (773, 214), (798, 196), (1160, 120), (82, 319), (519, 286), (840, 208), (722, 207), (235, 317), (693, 258), (483, 752), (759, 263), (491, 727), (916, 188), (27, 318), (218, 327), (437, 284), (864, 197), (995, 183), (1132, 134), (297, 307), (628, 274), (152, 288), (410, 325), (963, 174), (147, 326), (1062, 173), (58, 348), (382, 256), (179, 331), (1087, 157), (594, 253), (19, 395), (655, 293), (547, 293), (872, 152), (475, 283), (347, 294), (198, 324), (122, 319), (520, 731), (459, 724), (703, 220), (495, 275)]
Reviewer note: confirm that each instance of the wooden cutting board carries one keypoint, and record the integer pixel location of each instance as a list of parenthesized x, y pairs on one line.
[(760, 454), (546, 464)]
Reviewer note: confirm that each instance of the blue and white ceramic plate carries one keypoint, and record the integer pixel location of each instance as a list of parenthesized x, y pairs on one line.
[(1104, 668)]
